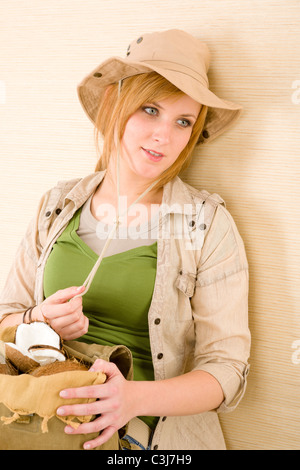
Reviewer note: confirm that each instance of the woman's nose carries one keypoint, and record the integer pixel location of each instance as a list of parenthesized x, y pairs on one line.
[(162, 133)]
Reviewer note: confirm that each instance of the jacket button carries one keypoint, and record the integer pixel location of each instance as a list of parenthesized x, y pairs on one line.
[(48, 213), (160, 356), (157, 321), (192, 223), (58, 211), (202, 226)]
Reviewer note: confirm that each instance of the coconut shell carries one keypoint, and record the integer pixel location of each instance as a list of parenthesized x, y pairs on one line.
[(20, 361), (8, 369), (46, 355), (57, 367)]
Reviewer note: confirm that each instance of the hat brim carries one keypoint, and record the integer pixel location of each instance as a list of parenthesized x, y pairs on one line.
[(221, 113)]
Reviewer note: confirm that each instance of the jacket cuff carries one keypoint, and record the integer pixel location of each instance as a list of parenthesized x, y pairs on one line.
[(232, 381)]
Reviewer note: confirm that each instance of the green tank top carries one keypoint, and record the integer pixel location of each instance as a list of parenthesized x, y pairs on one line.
[(118, 299)]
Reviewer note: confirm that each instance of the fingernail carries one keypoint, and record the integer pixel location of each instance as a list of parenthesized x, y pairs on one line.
[(87, 446), (63, 394), (60, 411), (79, 288), (69, 430)]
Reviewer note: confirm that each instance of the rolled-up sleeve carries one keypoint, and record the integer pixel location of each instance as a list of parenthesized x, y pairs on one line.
[(220, 309), (18, 291)]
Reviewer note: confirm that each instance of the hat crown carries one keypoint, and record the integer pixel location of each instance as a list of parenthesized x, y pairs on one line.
[(176, 55), (171, 47)]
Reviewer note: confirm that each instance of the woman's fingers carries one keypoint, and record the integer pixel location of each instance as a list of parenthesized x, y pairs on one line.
[(74, 330), (103, 404), (83, 409), (53, 311), (66, 317), (105, 435), (98, 425), (107, 395), (108, 368), (90, 391), (63, 295)]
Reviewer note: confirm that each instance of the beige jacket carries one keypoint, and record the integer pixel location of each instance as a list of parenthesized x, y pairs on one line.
[(198, 317)]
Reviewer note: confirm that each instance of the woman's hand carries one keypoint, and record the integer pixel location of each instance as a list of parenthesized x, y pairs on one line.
[(114, 404), (63, 313)]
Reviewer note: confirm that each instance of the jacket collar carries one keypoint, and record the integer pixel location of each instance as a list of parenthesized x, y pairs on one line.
[(178, 197), (84, 187)]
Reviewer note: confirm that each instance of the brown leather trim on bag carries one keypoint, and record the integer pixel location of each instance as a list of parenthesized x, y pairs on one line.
[(119, 355)]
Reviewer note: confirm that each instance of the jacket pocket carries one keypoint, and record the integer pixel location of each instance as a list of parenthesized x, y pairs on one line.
[(185, 283)]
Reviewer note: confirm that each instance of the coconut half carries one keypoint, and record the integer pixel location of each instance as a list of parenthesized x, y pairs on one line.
[(35, 344), (70, 365)]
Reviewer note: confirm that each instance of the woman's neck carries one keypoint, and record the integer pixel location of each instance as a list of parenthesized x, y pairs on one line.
[(104, 204), (130, 187)]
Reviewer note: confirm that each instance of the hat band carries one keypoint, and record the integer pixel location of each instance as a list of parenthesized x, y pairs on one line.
[(175, 67)]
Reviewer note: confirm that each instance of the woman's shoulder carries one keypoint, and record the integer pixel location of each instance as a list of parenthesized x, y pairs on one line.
[(215, 215), (64, 195), (184, 193), (73, 188), (204, 195), (83, 183)]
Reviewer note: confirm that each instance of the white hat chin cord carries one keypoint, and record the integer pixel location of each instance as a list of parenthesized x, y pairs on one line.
[(111, 234)]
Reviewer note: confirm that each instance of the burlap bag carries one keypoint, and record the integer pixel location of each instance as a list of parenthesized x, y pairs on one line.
[(28, 404)]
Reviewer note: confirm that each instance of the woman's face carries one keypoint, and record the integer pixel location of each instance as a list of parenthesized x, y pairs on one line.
[(156, 134)]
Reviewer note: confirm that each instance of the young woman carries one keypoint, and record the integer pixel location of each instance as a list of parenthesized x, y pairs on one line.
[(132, 255)]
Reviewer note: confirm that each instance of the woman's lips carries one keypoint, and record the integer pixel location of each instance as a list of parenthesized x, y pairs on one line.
[(153, 155)]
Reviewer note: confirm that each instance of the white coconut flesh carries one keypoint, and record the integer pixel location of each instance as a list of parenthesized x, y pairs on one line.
[(38, 341)]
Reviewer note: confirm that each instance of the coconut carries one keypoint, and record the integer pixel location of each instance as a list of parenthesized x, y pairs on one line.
[(19, 359), (35, 344), (58, 367), (46, 354), (8, 369)]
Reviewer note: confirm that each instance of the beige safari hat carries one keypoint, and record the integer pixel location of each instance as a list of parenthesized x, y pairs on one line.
[(180, 58)]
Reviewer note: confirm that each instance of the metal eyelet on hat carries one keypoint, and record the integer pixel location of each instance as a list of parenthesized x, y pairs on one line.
[(98, 75), (205, 134), (139, 40)]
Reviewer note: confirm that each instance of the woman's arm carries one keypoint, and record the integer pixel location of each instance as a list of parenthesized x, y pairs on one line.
[(192, 393), (119, 400)]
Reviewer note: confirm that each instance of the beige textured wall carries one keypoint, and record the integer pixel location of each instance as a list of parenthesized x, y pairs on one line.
[(46, 47)]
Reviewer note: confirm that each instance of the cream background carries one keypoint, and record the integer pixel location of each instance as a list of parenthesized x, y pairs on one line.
[(48, 46)]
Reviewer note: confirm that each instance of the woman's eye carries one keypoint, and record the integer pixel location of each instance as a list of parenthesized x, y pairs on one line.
[(184, 122), (149, 110)]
